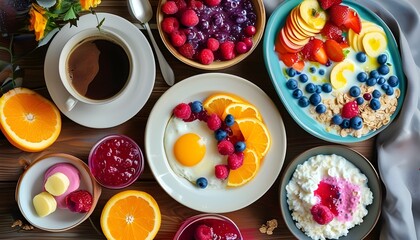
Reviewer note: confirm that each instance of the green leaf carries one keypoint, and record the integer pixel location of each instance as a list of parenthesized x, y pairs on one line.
[(70, 14)]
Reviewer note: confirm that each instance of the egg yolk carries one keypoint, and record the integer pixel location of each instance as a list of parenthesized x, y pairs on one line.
[(189, 149)]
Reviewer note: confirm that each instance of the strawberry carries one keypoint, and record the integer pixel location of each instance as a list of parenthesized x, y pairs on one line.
[(344, 16), (314, 51), (299, 65), (325, 4), (334, 50), (331, 31), (350, 109), (353, 21), (289, 58)]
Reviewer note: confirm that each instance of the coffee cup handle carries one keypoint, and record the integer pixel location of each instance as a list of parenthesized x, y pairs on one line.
[(70, 103)]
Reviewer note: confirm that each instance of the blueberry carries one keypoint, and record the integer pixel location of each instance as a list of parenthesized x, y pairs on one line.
[(382, 59), (297, 93), (312, 69), (383, 69), (318, 89), (291, 84), (385, 87), (201, 182), (337, 119), (356, 123), (389, 91), (326, 87), (376, 93), (303, 78), (374, 74), (291, 72), (381, 80), (315, 99), (196, 107), (354, 91), (362, 77), (375, 104), (229, 120), (320, 108), (345, 123), (303, 101), (360, 100), (361, 57), (240, 146), (321, 72), (393, 81), (310, 88), (371, 81), (220, 134)]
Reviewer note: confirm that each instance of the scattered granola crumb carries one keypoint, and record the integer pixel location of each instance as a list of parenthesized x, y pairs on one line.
[(17, 223), (269, 227), (27, 227)]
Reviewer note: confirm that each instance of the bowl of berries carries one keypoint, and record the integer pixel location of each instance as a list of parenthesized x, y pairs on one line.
[(336, 67), (211, 34), (57, 192)]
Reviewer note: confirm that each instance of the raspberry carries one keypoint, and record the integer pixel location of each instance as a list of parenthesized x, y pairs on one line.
[(170, 24), (221, 171), (198, 5), (214, 122), (178, 38), (350, 109), (235, 160), (79, 201), (213, 44), (181, 4), (250, 31), (169, 7), (212, 3), (227, 50), (225, 147), (189, 18), (203, 232), (241, 47), (187, 50), (321, 214), (206, 56), (182, 111)]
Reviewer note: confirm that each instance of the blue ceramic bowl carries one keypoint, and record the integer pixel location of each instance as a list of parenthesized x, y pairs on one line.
[(278, 76)]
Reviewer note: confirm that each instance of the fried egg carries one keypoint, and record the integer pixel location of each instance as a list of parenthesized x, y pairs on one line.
[(191, 150)]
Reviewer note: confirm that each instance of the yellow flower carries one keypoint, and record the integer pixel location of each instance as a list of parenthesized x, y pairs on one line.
[(87, 4), (37, 21)]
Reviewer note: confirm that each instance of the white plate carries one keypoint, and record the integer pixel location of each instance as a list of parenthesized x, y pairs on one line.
[(213, 200), (131, 102)]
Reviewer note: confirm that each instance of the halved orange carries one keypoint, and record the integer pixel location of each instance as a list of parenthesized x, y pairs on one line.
[(256, 135), (247, 171), (217, 103), (131, 214), (242, 110), (28, 120)]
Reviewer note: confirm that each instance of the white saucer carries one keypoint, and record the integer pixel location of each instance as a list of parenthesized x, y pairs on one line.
[(199, 87), (129, 104)]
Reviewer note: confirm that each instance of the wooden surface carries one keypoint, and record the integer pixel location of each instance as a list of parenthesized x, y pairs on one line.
[(77, 140)]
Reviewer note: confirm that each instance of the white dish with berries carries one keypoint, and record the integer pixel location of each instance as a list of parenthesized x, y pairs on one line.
[(218, 195), (337, 71), (47, 210)]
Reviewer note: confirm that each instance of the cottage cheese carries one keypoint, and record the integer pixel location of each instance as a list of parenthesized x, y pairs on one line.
[(301, 198)]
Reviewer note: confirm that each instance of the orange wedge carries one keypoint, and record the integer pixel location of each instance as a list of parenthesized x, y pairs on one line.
[(131, 215), (28, 120), (217, 103), (247, 171), (242, 110), (256, 135)]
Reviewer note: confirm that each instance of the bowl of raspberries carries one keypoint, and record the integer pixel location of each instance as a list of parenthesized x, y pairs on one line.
[(211, 34)]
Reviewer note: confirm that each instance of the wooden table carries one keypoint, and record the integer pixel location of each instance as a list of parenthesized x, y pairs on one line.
[(78, 140)]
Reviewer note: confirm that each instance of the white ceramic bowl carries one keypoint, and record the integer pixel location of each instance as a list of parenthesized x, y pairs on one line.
[(31, 183)]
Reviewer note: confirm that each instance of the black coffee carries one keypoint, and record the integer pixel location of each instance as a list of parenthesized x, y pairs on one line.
[(98, 68)]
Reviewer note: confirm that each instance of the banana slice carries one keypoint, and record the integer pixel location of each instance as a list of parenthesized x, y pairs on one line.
[(44, 204)]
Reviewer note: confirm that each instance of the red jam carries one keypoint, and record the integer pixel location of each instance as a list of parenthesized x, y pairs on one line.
[(328, 195), (116, 161)]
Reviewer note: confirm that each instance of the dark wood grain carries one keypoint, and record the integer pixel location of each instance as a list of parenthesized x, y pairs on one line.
[(78, 140)]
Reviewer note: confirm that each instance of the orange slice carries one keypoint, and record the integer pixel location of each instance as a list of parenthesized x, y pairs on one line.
[(242, 110), (28, 120), (131, 215), (247, 171), (256, 135), (218, 102)]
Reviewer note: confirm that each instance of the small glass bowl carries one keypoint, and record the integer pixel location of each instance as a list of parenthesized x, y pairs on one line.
[(227, 226), (116, 161)]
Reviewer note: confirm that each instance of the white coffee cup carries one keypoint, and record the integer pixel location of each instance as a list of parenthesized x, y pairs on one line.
[(68, 78)]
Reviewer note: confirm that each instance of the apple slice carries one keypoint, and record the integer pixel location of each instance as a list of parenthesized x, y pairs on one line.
[(295, 32), (312, 14)]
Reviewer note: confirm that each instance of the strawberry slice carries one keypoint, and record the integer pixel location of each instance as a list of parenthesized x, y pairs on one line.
[(317, 53), (353, 21), (325, 4), (334, 50), (289, 58), (342, 15), (331, 31), (299, 65)]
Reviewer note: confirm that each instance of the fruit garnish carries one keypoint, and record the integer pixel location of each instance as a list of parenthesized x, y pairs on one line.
[(242, 110), (235, 160), (337, 77), (206, 56), (342, 15), (321, 214), (247, 171), (182, 111), (79, 201), (255, 134), (131, 214), (374, 43), (169, 7), (221, 171), (312, 13), (331, 31), (350, 109), (334, 50), (325, 4), (203, 232), (44, 204), (315, 51), (225, 147), (217, 103), (28, 120)]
